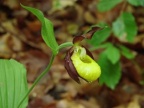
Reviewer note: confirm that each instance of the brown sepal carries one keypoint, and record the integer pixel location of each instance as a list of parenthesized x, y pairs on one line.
[(90, 33), (89, 53), (78, 39), (70, 67)]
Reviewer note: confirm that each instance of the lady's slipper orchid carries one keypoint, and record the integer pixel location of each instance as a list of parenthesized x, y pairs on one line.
[(79, 62)]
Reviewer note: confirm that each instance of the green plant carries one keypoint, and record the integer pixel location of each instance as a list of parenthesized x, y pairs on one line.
[(106, 5), (124, 28), (13, 84), (10, 85)]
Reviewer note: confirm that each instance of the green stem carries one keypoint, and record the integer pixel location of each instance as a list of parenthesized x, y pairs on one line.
[(38, 79), (67, 44)]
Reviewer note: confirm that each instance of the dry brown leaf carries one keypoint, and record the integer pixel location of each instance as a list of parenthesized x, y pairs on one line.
[(134, 103), (69, 104)]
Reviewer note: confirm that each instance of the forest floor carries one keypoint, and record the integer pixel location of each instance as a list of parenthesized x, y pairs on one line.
[(20, 39)]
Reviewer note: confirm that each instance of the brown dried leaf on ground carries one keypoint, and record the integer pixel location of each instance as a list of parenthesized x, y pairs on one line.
[(35, 62), (20, 38)]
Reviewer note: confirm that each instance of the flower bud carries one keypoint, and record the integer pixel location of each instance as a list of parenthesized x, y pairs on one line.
[(79, 63)]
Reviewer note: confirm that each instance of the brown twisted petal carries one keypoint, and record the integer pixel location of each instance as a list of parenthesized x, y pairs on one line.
[(90, 33), (70, 67), (89, 53), (78, 39)]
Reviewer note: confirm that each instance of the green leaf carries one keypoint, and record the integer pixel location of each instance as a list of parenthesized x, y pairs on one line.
[(100, 36), (111, 73), (47, 29), (113, 54), (101, 46), (105, 5), (13, 84), (126, 52), (136, 2), (142, 2), (125, 26)]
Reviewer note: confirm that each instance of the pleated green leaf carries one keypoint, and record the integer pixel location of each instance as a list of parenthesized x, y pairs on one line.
[(13, 84)]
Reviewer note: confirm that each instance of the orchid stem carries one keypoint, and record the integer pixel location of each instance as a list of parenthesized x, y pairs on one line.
[(38, 79), (66, 44)]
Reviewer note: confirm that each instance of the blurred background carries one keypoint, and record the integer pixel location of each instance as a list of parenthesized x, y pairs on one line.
[(121, 84)]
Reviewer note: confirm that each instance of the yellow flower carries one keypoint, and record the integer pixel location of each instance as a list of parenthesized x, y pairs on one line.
[(86, 67), (79, 62)]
